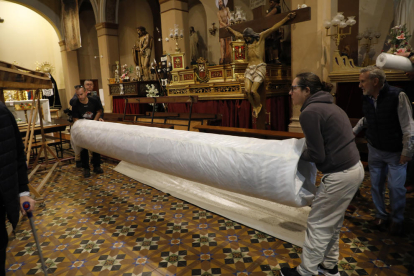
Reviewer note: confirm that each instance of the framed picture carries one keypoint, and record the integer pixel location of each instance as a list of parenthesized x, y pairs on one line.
[(178, 61)]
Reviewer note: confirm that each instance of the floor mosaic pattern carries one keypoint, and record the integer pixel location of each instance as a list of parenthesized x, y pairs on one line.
[(110, 224)]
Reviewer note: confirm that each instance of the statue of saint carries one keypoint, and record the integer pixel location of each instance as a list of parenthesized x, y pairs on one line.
[(256, 68), (224, 20), (193, 45), (142, 51)]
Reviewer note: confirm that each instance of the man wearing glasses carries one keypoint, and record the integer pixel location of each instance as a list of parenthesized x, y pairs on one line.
[(90, 109)]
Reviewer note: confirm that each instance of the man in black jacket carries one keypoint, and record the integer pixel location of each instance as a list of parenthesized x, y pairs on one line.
[(89, 109), (13, 178), (390, 135), (88, 86)]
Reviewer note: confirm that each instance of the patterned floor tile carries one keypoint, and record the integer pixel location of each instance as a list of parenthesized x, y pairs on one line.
[(110, 224)]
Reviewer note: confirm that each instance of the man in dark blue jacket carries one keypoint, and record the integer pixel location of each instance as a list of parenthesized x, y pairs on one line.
[(390, 136), (13, 178)]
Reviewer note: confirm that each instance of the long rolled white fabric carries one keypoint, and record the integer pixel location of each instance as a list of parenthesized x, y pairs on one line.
[(388, 61), (266, 169)]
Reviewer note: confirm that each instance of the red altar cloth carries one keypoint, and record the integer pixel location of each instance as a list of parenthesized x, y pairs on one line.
[(236, 113)]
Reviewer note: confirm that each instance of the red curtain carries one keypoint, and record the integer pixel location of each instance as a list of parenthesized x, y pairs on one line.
[(118, 106), (237, 113)]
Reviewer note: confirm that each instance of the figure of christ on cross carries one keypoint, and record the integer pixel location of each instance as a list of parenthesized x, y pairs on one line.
[(256, 68)]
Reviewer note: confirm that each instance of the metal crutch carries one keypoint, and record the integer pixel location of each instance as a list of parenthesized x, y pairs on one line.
[(26, 206)]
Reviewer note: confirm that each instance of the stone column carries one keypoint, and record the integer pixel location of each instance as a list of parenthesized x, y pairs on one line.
[(312, 50), (109, 53), (175, 12), (70, 72)]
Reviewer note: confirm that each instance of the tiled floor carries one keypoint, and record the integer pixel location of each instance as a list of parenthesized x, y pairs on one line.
[(110, 224)]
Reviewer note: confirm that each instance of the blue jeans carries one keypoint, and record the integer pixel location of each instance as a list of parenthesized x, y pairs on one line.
[(383, 163)]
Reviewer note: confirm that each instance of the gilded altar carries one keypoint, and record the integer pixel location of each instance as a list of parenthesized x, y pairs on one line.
[(226, 82)]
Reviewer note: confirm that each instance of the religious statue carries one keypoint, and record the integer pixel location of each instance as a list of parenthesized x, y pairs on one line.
[(256, 67), (138, 72), (193, 45), (224, 20), (273, 45), (142, 51)]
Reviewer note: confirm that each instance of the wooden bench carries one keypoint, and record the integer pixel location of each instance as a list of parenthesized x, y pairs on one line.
[(116, 117), (146, 124), (166, 99), (177, 119), (247, 132)]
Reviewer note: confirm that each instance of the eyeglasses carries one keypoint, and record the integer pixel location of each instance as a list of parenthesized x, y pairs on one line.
[(78, 86), (294, 86)]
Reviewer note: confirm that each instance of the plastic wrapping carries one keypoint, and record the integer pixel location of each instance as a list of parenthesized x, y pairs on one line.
[(266, 169), (388, 61)]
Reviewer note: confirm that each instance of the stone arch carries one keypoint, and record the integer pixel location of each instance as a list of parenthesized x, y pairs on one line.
[(95, 8), (52, 15)]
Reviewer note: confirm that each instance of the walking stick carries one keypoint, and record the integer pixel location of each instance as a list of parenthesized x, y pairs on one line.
[(26, 206)]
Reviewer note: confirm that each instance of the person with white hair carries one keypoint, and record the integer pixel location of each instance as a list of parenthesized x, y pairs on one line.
[(390, 135)]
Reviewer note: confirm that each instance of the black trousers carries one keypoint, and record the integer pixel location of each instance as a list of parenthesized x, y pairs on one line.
[(4, 239), (96, 159)]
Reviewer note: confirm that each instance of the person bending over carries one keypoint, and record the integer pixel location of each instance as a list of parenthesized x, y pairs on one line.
[(330, 144)]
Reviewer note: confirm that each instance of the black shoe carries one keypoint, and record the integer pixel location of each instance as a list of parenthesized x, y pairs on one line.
[(328, 272), (396, 229), (78, 164), (286, 271), (86, 173), (97, 170)]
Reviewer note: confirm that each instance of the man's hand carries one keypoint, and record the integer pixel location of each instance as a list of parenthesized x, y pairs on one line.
[(101, 120), (404, 159), (291, 15), (28, 199)]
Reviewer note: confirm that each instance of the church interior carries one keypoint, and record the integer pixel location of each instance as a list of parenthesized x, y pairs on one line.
[(200, 141)]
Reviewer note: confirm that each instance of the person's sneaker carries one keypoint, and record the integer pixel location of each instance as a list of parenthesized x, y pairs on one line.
[(328, 272), (286, 271), (86, 173), (97, 170), (78, 164)]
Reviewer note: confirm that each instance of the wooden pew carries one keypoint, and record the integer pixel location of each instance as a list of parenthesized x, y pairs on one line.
[(147, 124), (119, 118), (166, 99), (180, 120), (247, 132)]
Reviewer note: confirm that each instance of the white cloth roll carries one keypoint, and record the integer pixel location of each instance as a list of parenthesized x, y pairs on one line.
[(267, 169), (388, 61)]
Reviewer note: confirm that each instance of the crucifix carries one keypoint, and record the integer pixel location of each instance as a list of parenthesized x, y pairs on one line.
[(254, 34)]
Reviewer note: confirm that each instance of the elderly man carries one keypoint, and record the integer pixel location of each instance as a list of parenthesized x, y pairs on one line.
[(13, 181), (390, 135), (90, 109)]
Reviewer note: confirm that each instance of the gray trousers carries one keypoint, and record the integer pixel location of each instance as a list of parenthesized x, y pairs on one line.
[(326, 217)]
